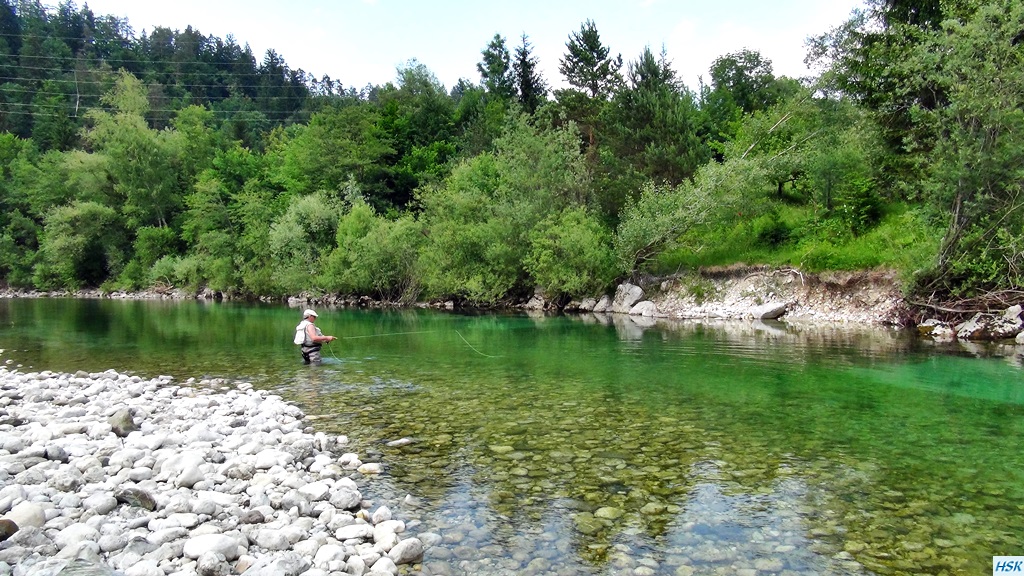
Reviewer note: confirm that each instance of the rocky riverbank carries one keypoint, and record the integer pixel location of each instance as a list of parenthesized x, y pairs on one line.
[(760, 293), (731, 293), (107, 473)]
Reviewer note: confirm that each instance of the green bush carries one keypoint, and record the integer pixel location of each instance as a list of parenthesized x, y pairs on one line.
[(570, 253), (162, 272), (82, 245), (387, 263), (770, 230), (300, 239)]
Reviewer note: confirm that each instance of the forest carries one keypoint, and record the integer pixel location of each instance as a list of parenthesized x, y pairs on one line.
[(171, 159)]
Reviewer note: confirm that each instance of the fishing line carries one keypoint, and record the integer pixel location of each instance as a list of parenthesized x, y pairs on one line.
[(474, 349), (330, 348), (388, 334)]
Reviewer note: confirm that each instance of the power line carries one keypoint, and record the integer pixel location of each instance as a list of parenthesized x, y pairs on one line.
[(97, 94), (64, 70), (222, 114), (185, 84)]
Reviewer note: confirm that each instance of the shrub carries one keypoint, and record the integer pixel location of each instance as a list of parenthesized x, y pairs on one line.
[(770, 230), (570, 253)]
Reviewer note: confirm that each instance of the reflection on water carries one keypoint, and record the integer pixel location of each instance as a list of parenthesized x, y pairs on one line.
[(615, 445)]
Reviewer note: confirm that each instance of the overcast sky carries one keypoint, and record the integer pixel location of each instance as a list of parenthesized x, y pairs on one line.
[(362, 42)]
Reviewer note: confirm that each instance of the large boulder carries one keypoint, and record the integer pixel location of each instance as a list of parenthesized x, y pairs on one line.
[(645, 308), (626, 296), (991, 326), (122, 423), (769, 311)]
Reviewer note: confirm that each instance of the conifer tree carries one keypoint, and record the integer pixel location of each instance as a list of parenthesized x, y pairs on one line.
[(532, 89), (588, 65), (496, 70)]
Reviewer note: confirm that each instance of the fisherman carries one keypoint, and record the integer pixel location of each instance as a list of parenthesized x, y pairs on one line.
[(312, 339)]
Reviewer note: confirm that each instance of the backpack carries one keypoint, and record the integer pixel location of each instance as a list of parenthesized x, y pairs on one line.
[(300, 332)]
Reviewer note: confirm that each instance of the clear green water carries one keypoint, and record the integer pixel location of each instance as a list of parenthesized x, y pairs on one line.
[(586, 445)]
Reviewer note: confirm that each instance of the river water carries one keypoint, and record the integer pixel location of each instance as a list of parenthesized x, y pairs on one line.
[(598, 445)]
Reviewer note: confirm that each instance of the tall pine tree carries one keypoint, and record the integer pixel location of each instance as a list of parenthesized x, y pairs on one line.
[(496, 70), (533, 91), (588, 64)]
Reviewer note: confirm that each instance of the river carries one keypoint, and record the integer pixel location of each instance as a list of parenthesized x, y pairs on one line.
[(598, 445)]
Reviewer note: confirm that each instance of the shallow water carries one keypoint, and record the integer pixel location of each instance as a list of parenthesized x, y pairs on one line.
[(596, 445)]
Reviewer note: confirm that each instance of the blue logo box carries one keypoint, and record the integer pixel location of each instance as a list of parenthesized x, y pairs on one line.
[(1007, 565)]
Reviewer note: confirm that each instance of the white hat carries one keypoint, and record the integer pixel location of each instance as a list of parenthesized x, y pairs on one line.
[(309, 313)]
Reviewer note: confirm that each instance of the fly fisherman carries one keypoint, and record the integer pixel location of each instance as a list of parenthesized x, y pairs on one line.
[(312, 338)]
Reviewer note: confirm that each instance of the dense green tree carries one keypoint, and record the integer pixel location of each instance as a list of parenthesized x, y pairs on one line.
[(10, 28), (654, 128), (741, 83), (337, 143), (417, 120), (300, 240), (530, 84), (143, 161), (974, 174), (375, 255), (478, 221), (83, 244), (588, 65), (571, 254), (495, 70)]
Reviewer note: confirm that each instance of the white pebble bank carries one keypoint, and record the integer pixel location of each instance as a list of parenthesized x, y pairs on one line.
[(110, 473)]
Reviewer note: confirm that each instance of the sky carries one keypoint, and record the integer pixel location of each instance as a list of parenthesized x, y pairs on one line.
[(361, 42)]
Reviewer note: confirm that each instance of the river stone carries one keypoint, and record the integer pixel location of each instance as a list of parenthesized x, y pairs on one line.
[(56, 453), (251, 517), (267, 459), (272, 539), (136, 497), (769, 564), (315, 491), (604, 304), (212, 564), (371, 468), (346, 498), (227, 546), (355, 565), (406, 552), (27, 514), (608, 513), (329, 553), (100, 503), (290, 564), (66, 567), (68, 480), (383, 565), (645, 308), (354, 531), (74, 534), (381, 514), (7, 529), (189, 477), (626, 296), (122, 422), (587, 524), (112, 542), (769, 311)]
